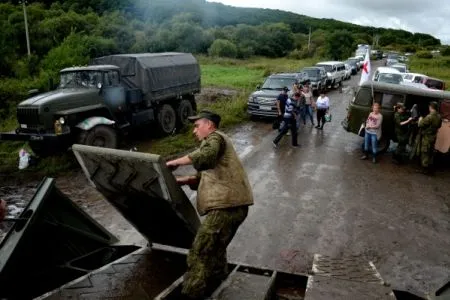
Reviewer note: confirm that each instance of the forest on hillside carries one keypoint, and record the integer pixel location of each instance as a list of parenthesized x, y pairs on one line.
[(71, 32)]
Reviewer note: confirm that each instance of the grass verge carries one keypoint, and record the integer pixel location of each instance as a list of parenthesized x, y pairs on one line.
[(438, 67)]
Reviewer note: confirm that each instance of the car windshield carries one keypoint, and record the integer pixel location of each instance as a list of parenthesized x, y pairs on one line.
[(400, 68), (278, 83), (311, 72), (327, 68), (393, 56), (390, 78), (352, 61), (80, 79)]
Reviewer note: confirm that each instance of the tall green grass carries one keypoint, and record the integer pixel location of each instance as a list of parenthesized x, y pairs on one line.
[(438, 67)]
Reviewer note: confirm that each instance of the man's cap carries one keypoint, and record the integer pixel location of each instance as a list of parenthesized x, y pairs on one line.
[(206, 114), (286, 89), (400, 105)]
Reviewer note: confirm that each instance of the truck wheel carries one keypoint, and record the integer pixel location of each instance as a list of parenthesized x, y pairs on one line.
[(102, 136), (184, 111), (167, 119)]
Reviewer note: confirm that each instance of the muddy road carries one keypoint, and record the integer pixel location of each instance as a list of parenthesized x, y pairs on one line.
[(319, 198)]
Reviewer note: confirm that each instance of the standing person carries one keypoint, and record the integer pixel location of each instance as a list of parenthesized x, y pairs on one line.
[(402, 121), (281, 104), (289, 119), (373, 131), (224, 194), (2, 210), (322, 105), (426, 138), (309, 103)]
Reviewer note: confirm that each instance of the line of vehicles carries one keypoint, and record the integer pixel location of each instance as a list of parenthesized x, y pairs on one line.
[(396, 71), (322, 76)]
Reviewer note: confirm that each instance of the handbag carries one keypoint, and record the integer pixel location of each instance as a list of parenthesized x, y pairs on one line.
[(328, 117), (362, 130)]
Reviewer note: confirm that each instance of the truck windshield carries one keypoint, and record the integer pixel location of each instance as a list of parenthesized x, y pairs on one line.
[(80, 79), (278, 83)]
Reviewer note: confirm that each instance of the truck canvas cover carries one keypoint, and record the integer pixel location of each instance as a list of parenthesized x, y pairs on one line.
[(144, 191), (157, 75)]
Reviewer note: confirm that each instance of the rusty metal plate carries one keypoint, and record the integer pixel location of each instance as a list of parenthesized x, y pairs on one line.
[(144, 191), (326, 288), (353, 268), (142, 274)]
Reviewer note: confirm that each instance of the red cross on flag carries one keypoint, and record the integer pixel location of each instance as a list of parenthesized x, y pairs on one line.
[(365, 69)]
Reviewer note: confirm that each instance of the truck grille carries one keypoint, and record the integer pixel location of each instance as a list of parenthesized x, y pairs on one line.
[(29, 116)]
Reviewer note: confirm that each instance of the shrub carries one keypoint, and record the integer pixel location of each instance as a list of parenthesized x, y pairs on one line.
[(424, 54), (223, 48), (446, 51)]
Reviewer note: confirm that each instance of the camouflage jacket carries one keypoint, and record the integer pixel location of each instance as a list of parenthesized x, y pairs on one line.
[(223, 180), (402, 132), (429, 126)]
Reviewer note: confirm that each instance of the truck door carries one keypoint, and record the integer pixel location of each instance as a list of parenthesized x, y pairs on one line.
[(113, 93)]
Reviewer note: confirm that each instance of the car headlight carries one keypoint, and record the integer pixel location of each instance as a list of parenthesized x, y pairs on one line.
[(252, 99), (62, 120)]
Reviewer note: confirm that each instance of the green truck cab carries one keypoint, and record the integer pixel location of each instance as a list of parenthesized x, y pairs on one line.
[(388, 95), (96, 104)]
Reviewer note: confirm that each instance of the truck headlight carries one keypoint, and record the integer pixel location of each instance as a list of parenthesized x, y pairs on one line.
[(62, 120)]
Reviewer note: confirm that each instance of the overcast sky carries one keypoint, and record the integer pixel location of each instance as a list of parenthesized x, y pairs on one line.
[(413, 15)]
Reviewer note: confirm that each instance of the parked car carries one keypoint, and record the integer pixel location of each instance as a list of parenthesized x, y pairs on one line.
[(360, 60), (392, 59), (383, 70), (335, 72), (401, 67), (434, 83), (354, 63), (348, 71), (263, 101), (413, 77), (389, 95), (318, 78)]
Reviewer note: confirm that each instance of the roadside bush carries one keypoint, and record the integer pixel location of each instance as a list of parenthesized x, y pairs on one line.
[(446, 51), (223, 48), (424, 54)]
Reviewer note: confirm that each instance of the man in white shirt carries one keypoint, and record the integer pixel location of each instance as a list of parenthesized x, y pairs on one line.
[(323, 105)]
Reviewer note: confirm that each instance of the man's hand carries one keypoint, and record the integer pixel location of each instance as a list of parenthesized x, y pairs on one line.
[(172, 165), (187, 180), (2, 210)]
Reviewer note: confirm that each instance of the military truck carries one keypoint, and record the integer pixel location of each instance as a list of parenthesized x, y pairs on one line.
[(98, 103)]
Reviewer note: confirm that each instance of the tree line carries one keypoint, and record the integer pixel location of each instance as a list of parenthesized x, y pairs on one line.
[(71, 32)]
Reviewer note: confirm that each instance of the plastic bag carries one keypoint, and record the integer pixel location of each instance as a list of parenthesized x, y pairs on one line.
[(24, 159)]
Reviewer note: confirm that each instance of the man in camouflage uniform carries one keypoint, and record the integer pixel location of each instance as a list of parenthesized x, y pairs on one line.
[(424, 146), (402, 121), (224, 194)]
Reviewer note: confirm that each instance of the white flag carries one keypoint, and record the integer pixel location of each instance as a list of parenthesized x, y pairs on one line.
[(365, 69)]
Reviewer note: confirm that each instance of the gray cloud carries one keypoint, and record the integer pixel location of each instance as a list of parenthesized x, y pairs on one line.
[(412, 15)]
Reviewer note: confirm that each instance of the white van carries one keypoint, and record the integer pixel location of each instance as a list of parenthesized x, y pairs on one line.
[(413, 77), (335, 72), (384, 70)]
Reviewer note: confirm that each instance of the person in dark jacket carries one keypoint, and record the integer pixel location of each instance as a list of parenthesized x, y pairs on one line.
[(2, 210), (402, 120)]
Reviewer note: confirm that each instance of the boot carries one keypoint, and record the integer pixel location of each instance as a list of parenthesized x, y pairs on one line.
[(365, 156)]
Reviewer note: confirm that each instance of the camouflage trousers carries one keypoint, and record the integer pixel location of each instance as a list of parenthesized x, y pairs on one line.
[(207, 259)]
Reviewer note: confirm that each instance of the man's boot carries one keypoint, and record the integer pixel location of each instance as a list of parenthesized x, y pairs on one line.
[(364, 156)]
